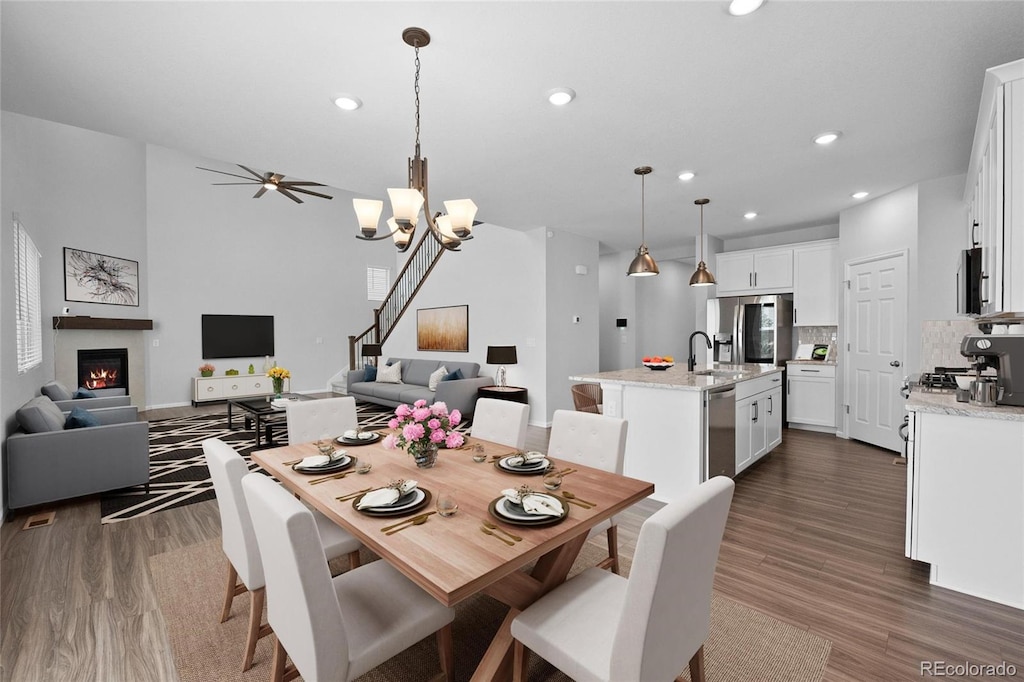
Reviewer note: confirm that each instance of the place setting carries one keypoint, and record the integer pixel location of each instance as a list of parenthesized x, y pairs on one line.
[(400, 497), (331, 461), (531, 463), (524, 506), (357, 437)]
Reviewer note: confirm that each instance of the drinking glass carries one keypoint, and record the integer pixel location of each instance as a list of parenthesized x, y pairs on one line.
[(552, 479), (447, 505), (363, 464), (325, 445), (478, 453)]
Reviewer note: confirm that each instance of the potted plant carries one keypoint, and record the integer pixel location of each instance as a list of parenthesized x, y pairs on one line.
[(206, 369), (278, 375), (423, 429)]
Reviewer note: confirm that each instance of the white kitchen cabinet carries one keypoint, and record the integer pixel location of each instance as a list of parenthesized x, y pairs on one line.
[(816, 284), (758, 419), (811, 390), (995, 189), (773, 418), (238, 386), (757, 271)]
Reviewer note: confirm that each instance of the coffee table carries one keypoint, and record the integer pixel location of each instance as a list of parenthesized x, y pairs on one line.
[(260, 411)]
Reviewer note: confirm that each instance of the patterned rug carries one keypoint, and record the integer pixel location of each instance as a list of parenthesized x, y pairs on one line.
[(177, 469)]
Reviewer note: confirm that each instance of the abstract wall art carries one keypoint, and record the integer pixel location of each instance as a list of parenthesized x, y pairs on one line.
[(444, 329), (95, 278)]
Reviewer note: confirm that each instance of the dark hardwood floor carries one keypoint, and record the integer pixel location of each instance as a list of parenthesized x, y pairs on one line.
[(815, 538)]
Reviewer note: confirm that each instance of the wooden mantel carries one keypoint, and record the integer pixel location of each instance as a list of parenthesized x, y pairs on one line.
[(85, 322)]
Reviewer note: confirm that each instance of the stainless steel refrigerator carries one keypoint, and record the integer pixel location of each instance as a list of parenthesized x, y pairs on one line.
[(751, 329)]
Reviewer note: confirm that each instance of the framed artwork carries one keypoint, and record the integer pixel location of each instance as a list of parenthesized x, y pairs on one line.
[(444, 329), (95, 278)]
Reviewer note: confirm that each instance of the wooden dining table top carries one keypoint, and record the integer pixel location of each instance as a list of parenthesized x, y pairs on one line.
[(452, 558)]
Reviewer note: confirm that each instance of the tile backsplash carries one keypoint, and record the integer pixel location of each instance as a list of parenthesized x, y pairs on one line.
[(818, 335), (940, 343)]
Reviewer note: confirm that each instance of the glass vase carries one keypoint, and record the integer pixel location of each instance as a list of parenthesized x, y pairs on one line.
[(278, 386), (425, 455)]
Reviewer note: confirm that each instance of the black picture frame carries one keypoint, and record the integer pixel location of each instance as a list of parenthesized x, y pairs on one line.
[(91, 277)]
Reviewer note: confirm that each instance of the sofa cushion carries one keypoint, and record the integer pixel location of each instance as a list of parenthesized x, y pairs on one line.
[(55, 390), (82, 392), (436, 377), (40, 415), (390, 374), (369, 373), (392, 392), (412, 393), (454, 376), (80, 418), (418, 371)]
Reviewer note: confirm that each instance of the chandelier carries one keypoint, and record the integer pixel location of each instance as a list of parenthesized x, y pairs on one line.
[(449, 229)]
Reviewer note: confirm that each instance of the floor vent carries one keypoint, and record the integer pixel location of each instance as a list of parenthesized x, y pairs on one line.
[(39, 520)]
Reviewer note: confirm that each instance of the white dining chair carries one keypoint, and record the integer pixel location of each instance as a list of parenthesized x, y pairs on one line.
[(334, 629), (308, 420), (601, 627), (597, 441), (227, 468), (501, 421)]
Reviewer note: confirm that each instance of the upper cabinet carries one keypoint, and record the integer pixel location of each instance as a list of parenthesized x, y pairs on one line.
[(995, 189), (816, 284), (757, 271)]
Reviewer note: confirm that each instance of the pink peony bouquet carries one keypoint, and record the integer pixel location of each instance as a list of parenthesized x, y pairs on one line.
[(422, 427)]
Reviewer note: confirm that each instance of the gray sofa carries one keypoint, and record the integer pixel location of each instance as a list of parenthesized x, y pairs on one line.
[(458, 394), (64, 399), (46, 462)]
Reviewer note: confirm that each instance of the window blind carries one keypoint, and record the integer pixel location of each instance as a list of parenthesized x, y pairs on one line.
[(378, 281), (28, 310)]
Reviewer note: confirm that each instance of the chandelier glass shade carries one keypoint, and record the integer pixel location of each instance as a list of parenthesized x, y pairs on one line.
[(702, 277), (643, 265), (407, 203)]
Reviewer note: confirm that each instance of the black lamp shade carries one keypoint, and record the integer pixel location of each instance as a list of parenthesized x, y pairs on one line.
[(371, 350), (501, 355)]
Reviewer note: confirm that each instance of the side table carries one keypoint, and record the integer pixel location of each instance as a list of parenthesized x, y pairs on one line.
[(512, 393)]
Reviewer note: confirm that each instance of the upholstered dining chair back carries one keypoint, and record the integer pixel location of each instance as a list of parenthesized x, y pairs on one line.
[(590, 439), (302, 606), (308, 420), (501, 421), (227, 468), (587, 397), (667, 608)]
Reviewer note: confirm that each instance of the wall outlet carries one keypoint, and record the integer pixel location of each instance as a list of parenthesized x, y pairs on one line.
[(65, 310), (319, 340), (156, 343), (575, 319)]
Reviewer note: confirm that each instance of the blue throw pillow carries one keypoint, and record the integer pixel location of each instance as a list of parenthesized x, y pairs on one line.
[(83, 392), (80, 418), (457, 374), (369, 373)]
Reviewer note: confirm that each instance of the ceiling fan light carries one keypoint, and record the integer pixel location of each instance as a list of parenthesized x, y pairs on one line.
[(643, 265), (406, 203), (739, 8), (270, 185), (461, 213), (702, 277), (368, 213), (561, 96)]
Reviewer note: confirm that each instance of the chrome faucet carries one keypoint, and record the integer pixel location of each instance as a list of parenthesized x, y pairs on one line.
[(691, 361)]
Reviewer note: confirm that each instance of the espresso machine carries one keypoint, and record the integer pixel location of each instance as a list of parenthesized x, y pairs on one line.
[(1005, 354)]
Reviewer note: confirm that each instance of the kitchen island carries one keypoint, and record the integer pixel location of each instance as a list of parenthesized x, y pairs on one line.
[(965, 495), (668, 414)]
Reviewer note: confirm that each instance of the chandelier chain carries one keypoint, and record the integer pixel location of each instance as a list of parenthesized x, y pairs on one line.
[(416, 89), (643, 207)]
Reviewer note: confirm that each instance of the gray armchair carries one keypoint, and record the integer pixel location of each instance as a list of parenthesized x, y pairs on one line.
[(46, 462), (64, 399)]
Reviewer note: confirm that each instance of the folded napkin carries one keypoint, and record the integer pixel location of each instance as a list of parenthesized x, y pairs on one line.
[(367, 435), (385, 496), (541, 505), (351, 433), (525, 458), (314, 461)]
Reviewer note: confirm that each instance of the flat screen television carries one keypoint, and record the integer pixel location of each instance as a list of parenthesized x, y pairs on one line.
[(237, 336)]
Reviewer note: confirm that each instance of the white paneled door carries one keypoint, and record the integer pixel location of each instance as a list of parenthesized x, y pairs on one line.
[(876, 318)]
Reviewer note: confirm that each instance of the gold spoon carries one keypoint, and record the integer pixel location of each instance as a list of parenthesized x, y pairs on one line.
[(418, 521), (487, 531), (405, 521), (499, 528), (570, 496), (329, 478)]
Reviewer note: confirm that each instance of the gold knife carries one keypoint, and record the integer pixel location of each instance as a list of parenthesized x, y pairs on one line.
[(343, 474), (405, 521), (352, 496)]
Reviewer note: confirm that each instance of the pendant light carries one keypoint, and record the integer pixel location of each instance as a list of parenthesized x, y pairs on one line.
[(643, 265), (702, 277)]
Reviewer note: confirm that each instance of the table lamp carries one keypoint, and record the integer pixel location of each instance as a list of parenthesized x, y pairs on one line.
[(372, 350), (501, 355)]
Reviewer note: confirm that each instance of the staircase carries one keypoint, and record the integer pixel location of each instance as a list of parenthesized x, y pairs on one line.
[(421, 261)]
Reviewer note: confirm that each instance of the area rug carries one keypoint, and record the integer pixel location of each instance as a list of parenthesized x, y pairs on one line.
[(177, 469), (744, 644)]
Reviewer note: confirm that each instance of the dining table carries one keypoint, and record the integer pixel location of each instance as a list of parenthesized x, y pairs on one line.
[(455, 557)]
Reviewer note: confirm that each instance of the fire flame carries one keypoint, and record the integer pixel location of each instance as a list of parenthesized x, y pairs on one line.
[(101, 378)]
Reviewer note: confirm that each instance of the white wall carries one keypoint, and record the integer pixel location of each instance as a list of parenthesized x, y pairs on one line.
[(665, 312), (617, 293), (942, 234), (215, 249), (804, 234)]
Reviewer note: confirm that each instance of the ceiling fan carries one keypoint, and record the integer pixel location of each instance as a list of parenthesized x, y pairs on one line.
[(272, 182)]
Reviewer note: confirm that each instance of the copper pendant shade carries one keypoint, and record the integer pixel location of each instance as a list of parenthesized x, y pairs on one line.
[(702, 277), (643, 265)]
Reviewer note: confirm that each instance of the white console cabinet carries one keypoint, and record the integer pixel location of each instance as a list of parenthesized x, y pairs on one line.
[(811, 390), (239, 386)]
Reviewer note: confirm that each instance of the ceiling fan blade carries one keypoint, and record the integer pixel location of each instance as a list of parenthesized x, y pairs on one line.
[(234, 175), (285, 185), (261, 192), (288, 194), (235, 183), (250, 170), (293, 183)]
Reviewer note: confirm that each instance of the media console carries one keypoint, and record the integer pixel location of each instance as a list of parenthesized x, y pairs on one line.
[(206, 389)]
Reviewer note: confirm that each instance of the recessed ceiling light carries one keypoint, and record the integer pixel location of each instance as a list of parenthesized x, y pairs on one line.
[(561, 96), (686, 176), (348, 102), (859, 195), (749, 215), (827, 137), (739, 8)]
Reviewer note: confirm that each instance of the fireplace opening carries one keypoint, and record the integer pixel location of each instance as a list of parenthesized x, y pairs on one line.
[(104, 370)]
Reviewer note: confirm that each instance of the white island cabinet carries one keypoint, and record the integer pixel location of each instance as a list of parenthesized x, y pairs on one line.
[(965, 496), (666, 442)]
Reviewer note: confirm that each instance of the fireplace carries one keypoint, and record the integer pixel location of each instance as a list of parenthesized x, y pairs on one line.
[(104, 370)]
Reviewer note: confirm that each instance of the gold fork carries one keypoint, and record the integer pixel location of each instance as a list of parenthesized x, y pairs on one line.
[(343, 474), (502, 530), (487, 531), (352, 496)]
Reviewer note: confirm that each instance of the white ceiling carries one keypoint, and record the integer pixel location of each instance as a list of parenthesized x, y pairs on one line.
[(673, 85)]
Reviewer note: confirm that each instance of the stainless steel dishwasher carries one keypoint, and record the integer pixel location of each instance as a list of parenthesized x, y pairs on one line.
[(720, 411)]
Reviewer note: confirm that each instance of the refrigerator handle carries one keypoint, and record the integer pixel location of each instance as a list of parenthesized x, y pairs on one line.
[(738, 342)]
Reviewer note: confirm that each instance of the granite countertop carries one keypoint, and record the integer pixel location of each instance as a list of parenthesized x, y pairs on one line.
[(678, 378), (945, 403), (831, 363)]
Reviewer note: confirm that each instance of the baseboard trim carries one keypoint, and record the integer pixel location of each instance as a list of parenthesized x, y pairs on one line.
[(811, 427)]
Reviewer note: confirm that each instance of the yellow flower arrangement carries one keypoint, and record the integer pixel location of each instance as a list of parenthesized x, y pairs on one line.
[(279, 373)]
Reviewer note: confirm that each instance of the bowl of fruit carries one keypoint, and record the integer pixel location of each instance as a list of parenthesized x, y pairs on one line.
[(658, 362)]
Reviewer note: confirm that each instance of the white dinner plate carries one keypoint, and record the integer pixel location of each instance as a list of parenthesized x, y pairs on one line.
[(410, 499), (336, 463), (504, 507), (531, 466)]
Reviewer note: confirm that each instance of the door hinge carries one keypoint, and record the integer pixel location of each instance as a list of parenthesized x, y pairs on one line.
[(846, 282), (847, 347), (847, 409)]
